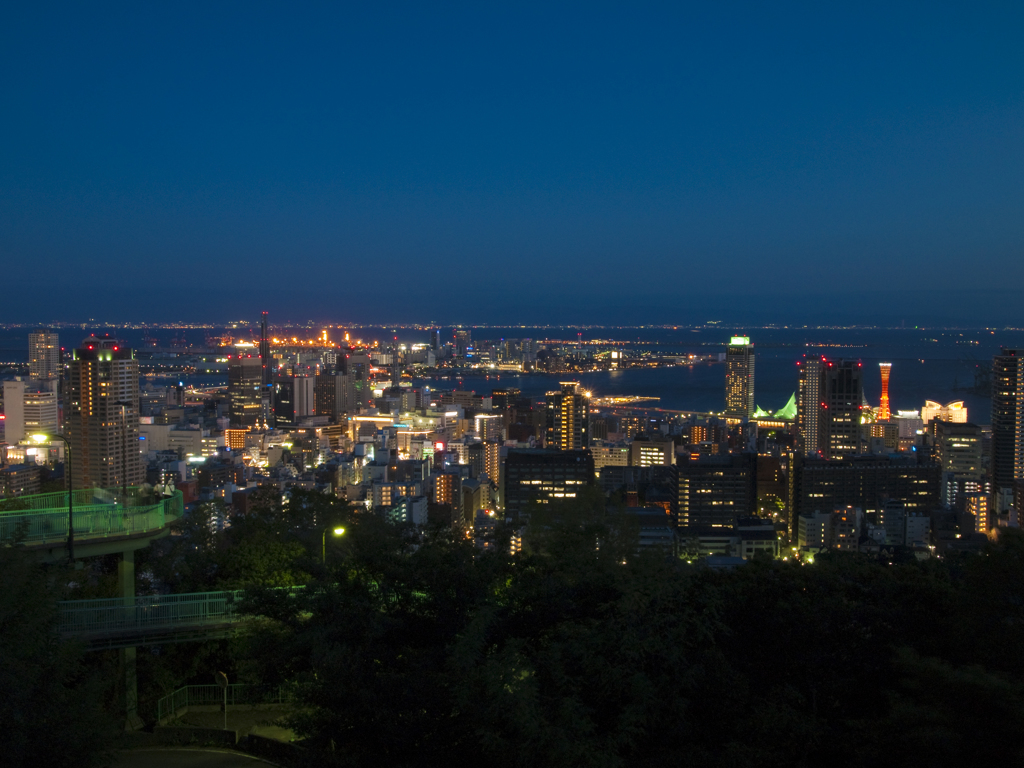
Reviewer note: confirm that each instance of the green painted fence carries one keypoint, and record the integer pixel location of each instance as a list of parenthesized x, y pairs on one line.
[(111, 616), (98, 513)]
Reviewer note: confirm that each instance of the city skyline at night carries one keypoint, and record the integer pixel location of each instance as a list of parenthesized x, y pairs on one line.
[(512, 384)]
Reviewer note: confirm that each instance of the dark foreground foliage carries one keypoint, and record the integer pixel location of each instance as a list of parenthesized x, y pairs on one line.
[(51, 703), (579, 653)]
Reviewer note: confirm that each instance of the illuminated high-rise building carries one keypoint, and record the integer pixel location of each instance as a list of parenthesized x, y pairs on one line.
[(294, 398), (739, 377), (883, 403), (568, 418), (245, 389), (978, 511), (809, 403), (43, 355), (829, 407), (463, 342), (335, 395), (503, 399), (957, 447), (842, 398), (29, 409), (102, 416), (1007, 421), (266, 374)]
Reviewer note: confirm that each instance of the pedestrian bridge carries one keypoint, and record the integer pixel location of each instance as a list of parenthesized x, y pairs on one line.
[(106, 521), (128, 622)]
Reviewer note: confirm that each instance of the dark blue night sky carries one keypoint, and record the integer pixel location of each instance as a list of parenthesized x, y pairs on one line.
[(481, 163)]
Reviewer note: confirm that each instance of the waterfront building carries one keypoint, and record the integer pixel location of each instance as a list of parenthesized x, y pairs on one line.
[(43, 354), (463, 343), (955, 412), (739, 377)]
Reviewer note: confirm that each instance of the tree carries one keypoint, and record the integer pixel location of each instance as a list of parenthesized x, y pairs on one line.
[(51, 706), (581, 652)]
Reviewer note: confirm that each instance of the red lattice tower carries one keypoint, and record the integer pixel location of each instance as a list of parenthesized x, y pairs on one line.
[(883, 405)]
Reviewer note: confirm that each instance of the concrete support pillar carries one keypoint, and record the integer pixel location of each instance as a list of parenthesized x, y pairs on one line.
[(126, 577), (126, 583)]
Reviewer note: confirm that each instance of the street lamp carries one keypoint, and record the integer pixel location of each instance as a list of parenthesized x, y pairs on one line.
[(337, 532), (124, 451), (71, 487)]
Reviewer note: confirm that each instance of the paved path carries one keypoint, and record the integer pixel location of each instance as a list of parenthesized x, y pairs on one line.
[(178, 757)]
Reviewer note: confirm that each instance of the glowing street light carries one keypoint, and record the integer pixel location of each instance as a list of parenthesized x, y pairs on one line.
[(337, 532), (38, 439)]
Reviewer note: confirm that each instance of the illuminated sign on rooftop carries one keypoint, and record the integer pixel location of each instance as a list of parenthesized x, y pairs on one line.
[(739, 340)]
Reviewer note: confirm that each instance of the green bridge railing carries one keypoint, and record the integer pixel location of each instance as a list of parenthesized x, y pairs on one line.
[(111, 616), (98, 513)]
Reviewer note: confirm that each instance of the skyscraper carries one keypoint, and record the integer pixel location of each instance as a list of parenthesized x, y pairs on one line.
[(102, 419), (294, 400), (568, 418), (739, 377), (267, 373), (883, 403), (505, 398), (463, 342), (43, 355), (809, 402), (335, 395), (957, 448), (1007, 421), (829, 407), (245, 389), (842, 396)]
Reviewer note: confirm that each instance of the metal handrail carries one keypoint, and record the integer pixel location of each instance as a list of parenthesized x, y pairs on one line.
[(213, 695), (107, 616), (135, 497), (40, 524)]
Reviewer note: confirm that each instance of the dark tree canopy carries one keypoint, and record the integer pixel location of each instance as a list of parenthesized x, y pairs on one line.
[(580, 652)]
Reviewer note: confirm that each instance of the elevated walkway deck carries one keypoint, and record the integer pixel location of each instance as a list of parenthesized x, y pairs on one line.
[(152, 620), (106, 521)]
